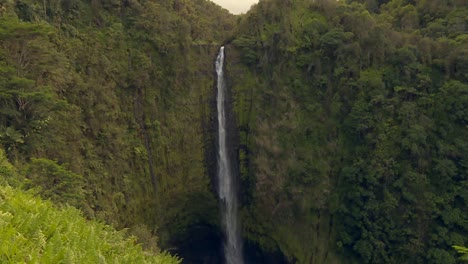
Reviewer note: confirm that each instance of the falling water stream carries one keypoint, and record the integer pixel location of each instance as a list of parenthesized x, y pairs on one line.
[(226, 187)]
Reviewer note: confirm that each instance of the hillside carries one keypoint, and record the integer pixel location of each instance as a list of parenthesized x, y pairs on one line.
[(34, 231), (103, 106), (352, 120)]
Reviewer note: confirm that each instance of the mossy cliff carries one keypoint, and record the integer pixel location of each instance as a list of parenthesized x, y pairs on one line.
[(105, 107), (348, 122), (351, 118)]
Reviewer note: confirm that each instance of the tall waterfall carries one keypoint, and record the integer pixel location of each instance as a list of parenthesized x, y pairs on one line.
[(226, 187)]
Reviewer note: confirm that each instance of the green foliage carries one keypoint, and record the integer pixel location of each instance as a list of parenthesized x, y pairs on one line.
[(34, 231), (356, 129), (56, 182), (102, 105), (463, 251), (8, 173), (352, 119), (248, 48)]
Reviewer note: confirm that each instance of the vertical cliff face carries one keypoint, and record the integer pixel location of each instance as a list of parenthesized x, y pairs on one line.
[(340, 132), (275, 221), (238, 151), (110, 99)]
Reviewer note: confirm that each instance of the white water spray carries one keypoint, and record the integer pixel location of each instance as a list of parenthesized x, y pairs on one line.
[(226, 187)]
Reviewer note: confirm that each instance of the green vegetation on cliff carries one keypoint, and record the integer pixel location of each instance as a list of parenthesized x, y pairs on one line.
[(36, 231), (103, 102), (353, 125), (351, 115)]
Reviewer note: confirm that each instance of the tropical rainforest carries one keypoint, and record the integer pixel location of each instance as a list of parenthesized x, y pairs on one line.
[(348, 130)]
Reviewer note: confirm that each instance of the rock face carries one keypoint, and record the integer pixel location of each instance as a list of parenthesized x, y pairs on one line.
[(337, 146), (108, 109)]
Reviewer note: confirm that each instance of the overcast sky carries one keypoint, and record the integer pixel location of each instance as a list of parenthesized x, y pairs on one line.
[(236, 6)]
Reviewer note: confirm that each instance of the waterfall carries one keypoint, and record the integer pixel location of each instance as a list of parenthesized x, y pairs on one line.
[(226, 187)]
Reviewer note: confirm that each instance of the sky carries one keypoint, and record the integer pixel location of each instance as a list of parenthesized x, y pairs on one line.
[(236, 6)]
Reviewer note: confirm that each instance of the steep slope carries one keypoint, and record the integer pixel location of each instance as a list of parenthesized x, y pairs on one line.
[(352, 126), (103, 106), (36, 232)]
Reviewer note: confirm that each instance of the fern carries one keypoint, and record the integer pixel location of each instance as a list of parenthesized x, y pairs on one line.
[(34, 231), (463, 251)]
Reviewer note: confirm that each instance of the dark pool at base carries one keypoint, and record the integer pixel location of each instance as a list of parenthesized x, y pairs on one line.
[(203, 245)]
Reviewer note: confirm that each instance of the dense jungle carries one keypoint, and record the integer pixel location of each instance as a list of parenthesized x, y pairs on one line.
[(348, 125)]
